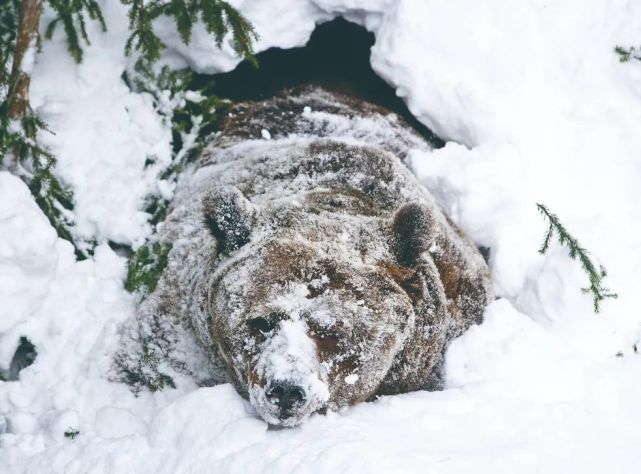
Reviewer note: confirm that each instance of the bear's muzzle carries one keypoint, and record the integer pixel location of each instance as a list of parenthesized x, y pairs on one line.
[(291, 387)]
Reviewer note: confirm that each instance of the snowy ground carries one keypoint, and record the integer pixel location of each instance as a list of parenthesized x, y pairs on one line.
[(538, 109)]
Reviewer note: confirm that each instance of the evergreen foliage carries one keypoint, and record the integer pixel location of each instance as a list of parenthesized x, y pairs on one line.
[(9, 19), (35, 166), (576, 251), (145, 267), (141, 369), (218, 16), (625, 54), (194, 115), (146, 374), (188, 106), (143, 38), (71, 14), (19, 148), (71, 433)]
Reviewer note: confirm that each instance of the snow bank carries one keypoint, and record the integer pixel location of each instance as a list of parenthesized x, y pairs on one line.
[(541, 111)]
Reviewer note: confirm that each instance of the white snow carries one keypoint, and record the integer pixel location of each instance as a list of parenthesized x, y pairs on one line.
[(540, 109), (351, 379), (102, 132)]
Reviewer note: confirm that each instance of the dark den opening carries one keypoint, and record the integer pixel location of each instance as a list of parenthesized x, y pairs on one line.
[(336, 57)]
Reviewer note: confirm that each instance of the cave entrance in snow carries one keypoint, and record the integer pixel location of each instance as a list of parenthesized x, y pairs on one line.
[(336, 57)]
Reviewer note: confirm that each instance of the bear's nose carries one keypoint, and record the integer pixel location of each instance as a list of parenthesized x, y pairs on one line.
[(286, 395)]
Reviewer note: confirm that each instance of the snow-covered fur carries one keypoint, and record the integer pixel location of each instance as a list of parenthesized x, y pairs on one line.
[(309, 267)]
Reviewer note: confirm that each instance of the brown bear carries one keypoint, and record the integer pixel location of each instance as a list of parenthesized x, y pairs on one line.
[(309, 267)]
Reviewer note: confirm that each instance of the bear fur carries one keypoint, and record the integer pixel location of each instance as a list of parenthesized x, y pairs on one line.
[(309, 267)]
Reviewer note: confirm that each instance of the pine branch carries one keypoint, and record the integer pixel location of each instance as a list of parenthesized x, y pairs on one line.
[(625, 54), (218, 16), (9, 21), (142, 37), (596, 277), (185, 14), (71, 13), (188, 106), (242, 31), (19, 125), (35, 165), (146, 267)]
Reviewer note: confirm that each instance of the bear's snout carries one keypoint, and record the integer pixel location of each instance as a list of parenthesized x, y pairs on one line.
[(289, 386), (287, 396)]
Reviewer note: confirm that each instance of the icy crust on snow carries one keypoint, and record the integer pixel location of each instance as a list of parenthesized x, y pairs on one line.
[(319, 253)]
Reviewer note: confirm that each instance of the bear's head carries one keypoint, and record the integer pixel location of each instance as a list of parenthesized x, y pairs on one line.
[(311, 300)]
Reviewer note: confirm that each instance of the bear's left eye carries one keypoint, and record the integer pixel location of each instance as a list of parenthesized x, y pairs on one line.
[(327, 339), (261, 325)]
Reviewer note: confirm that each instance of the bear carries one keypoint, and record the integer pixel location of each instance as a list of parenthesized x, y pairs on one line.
[(308, 266)]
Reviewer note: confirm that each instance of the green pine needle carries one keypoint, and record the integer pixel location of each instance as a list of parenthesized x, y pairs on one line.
[(625, 54), (146, 266), (71, 13), (596, 276), (218, 16)]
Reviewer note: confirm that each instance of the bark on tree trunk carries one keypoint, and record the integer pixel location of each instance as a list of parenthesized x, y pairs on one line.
[(27, 36)]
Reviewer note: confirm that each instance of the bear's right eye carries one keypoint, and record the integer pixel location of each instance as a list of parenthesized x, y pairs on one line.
[(261, 325)]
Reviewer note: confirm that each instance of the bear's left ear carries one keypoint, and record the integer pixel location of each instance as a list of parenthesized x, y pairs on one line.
[(229, 216), (413, 232)]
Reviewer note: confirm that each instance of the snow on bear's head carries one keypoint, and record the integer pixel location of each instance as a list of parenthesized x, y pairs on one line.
[(304, 309)]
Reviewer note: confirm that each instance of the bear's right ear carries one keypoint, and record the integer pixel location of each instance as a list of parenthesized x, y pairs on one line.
[(413, 232), (229, 216)]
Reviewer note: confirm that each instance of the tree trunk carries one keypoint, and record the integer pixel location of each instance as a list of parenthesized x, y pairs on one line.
[(27, 36)]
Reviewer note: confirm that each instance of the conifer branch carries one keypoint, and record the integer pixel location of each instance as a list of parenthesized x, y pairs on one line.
[(71, 13), (20, 151), (218, 16), (187, 105), (142, 37), (9, 21), (576, 251), (19, 125), (146, 266), (625, 54)]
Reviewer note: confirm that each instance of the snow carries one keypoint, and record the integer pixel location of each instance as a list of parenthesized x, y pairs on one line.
[(540, 110), (102, 132), (351, 379)]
